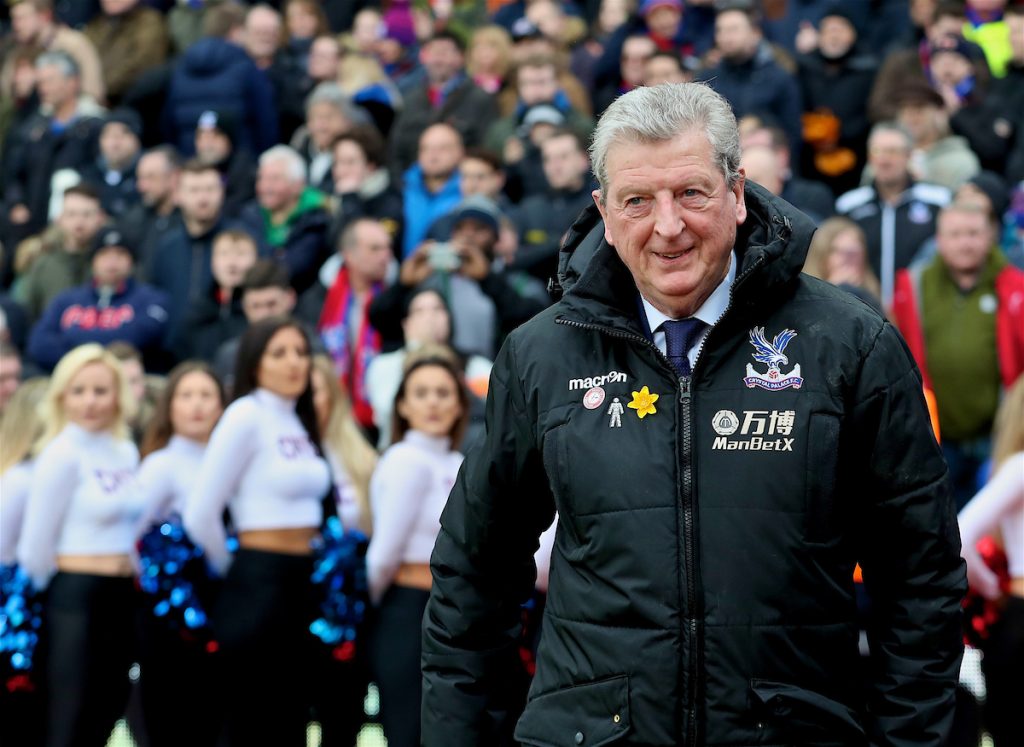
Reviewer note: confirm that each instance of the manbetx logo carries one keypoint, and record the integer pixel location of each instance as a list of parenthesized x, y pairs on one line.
[(759, 425)]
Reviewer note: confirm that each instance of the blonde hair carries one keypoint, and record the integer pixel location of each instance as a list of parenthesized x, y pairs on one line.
[(356, 71), (1008, 430), (823, 244), (51, 409), (342, 438), (21, 424), (500, 38)]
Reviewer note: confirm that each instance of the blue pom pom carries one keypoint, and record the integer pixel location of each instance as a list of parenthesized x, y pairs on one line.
[(339, 572), (21, 616)]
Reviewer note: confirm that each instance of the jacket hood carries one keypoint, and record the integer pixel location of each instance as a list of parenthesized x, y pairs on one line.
[(771, 244), (211, 55)]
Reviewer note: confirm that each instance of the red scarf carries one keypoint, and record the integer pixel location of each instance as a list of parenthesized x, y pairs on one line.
[(334, 330)]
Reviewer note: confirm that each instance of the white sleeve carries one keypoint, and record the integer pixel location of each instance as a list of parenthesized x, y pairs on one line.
[(1003, 493), (399, 486), (156, 489), (15, 485), (54, 481), (543, 555), (228, 455)]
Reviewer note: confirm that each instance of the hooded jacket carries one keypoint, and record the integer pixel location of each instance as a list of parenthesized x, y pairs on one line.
[(701, 585)]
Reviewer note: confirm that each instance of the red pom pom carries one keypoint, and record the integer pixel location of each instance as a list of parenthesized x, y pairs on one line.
[(20, 683), (345, 652), (212, 647)]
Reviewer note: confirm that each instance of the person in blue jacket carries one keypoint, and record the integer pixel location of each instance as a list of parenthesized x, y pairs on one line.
[(111, 306)]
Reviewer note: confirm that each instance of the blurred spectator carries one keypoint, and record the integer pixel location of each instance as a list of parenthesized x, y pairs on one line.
[(304, 21), (329, 113), (838, 254), (264, 34), (156, 181), (489, 58), (764, 166), (112, 172), (542, 219), (636, 51), (665, 67), (340, 307), (111, 306), (185, 22), (962, 315), (427, 322), (36, 28), (13, 322), (180, 262), (216, 145), (937, 156), (362, 185), (531, 43), (987, 27), (363, 79), (448, 95), (431, 185), (145, 388), (749, 76), (218, 317), (510, 13), (10, 373), (1008, 93), (61, 135), (480, 173), (216, 74), (289, 217), (606, 19), (896, 213), (59, 259), (835, 80), (130, 39), (18, 101)]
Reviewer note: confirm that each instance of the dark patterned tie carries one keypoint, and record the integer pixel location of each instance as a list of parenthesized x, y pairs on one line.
[(679, 337)]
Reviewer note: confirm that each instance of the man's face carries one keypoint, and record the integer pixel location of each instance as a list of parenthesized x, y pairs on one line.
[(367, 29), (370, 254), (10, 374), (672, 219), (324, 56), (664, 21), (735, 37), (964, 240), (537, 85), (661, 69), (262, 33), (548, 17), (54, 87), (27, 22), (275, 188), (442, 59), (920, 120), (230, 260), (262, 303), (200, 195), (565, 163), (440, 151), (350, 167), (325, 123), (80, 219), (950, 68), (760, 165), (154, 179), (111, 266), (118, 145), (945, 27), (889, 156), (212, 146), (470, 233), (478, 177), (633, 62), (836, 36)]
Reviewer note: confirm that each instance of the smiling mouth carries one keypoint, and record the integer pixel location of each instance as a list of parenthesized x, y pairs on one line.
[(674, 255)]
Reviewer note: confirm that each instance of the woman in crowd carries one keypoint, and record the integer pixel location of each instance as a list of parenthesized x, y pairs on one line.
[(264, 464), (999, 510), (407, 493), (80, 524), (838, 254), (178, 696), (489, 57), (19, 430)]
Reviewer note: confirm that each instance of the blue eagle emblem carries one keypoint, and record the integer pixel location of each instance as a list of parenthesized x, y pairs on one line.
[(772, 354)]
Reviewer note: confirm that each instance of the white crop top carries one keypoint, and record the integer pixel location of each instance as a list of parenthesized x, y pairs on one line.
[(15, 485), (261, 465), (1000, 504), (166, 477), (84, 500), (408, 492), (349, 510)]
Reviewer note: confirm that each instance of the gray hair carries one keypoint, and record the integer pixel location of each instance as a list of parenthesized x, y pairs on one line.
[(332, 94), (289, 157), (660, 113), (61, 60), (899, 129)]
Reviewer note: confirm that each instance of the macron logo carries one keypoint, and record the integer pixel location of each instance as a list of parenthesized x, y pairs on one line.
[(612, 377)]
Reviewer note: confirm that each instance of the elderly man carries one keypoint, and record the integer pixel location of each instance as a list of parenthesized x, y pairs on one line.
[(289, 217), (724, 439)]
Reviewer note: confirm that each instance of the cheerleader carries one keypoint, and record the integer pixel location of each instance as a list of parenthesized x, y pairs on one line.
[(407, 493), (178, 696), (340, 694), (76, 541), (264, 464)]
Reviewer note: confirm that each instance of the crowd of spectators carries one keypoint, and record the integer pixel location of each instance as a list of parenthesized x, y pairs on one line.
[(400, 174)]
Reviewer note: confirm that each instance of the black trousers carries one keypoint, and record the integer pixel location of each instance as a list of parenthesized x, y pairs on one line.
[(90, 644), (395, 663), (1003, 666)]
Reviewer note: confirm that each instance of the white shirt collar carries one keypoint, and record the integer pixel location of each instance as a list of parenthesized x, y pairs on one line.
[(709, 312)]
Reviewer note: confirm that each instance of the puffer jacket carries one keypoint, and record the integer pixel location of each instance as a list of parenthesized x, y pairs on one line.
[(701, 586)]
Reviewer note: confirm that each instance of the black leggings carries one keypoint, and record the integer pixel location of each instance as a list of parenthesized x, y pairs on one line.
[(395, 663), (90, 645), (1003, 665)]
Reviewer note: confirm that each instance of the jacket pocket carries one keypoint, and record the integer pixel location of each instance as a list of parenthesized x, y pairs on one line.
[(804, 717), (822, 450), (582, 716)]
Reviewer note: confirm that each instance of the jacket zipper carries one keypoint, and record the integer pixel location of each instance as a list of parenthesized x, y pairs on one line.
[(686, 448)]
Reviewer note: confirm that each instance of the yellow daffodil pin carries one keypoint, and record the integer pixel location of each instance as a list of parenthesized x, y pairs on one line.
[(643, 403)]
